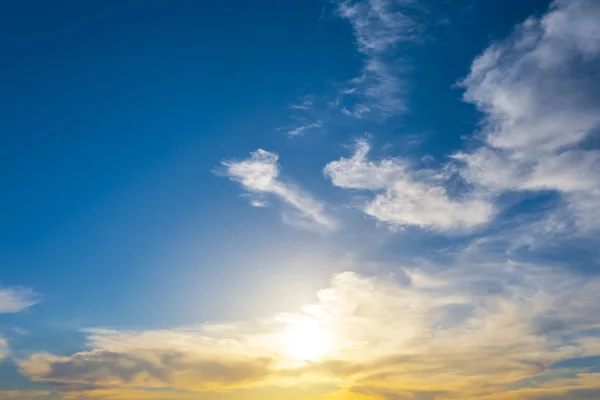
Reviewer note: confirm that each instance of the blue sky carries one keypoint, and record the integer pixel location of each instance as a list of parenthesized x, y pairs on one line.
[(304, 193)]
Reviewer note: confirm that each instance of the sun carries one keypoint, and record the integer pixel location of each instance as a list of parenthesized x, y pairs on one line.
[(306, 340)]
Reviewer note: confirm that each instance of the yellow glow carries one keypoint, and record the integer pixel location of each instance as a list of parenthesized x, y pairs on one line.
[(306, 339)]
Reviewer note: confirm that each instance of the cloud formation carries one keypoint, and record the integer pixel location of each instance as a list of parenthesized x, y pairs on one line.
[(302, 129), (406, 196), (470, 331), (13, 300), (379, 26), (539, 92), (260, 174)]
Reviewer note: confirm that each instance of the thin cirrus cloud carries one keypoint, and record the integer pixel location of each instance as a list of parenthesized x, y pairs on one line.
[(259, 174), (378, 92), (302, 129), (13, 300), (502, 325), (379, 26)]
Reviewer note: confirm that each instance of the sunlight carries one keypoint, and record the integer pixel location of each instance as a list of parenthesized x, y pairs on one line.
[(306, 339)]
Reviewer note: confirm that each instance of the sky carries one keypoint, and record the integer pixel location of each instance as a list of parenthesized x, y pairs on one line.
[(300, 199)]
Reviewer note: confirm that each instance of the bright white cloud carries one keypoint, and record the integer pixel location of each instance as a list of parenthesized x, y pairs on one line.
[(539, 91), (260, 174), (405, 196)]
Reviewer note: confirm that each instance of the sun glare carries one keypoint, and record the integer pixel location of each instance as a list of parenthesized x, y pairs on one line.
[(306, 340)]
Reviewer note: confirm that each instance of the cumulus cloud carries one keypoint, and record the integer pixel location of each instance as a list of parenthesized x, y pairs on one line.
[(260, 174), (539, 91), (406, 196)]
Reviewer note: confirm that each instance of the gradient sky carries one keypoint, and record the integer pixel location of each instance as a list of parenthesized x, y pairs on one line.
[(300, 199)]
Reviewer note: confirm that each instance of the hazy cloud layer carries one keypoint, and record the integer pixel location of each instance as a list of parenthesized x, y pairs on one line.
[(476, 330)]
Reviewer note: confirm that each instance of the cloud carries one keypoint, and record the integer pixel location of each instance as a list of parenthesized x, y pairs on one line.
[(153, 366), (260, 174), (22, 394), (13, 300), (302, 129), (540, 95), (3, 347), (468, 331), (379, 26), (406, 196)]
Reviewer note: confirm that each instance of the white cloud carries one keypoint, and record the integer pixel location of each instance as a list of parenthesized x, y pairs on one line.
[(540, 94), (14, 300), (260, 174), (406, 196)]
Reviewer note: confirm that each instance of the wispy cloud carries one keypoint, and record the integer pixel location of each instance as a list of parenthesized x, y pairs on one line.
[(378, 91), (302, 129), (379, 26), (14, 300), (260, 174), (306, 103), (406, 196)]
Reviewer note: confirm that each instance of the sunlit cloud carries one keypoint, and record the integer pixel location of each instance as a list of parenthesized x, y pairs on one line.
[(23, 394), (498, 324)]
